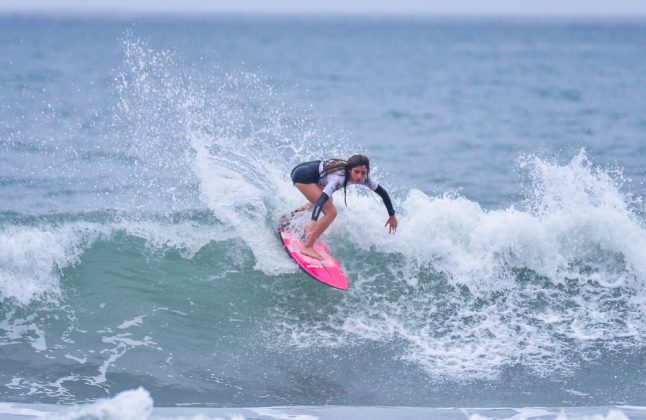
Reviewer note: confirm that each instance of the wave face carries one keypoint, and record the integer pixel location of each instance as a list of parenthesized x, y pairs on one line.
[(145, 254), (187, 305)]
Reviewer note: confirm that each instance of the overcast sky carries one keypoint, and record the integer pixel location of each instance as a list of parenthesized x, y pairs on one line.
[(611, 8)]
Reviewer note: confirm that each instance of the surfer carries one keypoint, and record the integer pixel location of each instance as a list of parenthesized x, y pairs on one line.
[(319, 179)]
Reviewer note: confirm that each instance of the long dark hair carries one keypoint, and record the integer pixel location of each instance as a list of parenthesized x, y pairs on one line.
[(334, 165)]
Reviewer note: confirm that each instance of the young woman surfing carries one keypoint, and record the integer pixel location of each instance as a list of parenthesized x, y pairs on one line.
[(318, 180)]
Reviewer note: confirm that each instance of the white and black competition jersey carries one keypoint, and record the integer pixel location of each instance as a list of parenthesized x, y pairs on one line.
[(333, 181)]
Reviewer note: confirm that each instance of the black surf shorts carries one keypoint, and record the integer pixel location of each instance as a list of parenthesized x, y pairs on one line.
[(306, 173)]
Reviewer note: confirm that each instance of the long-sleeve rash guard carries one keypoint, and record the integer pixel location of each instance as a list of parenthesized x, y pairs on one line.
[(334, 181)]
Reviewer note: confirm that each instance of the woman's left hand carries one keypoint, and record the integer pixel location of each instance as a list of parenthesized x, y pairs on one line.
[(392, 224)]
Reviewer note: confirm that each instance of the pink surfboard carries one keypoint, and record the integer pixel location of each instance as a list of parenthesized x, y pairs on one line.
[(328, 270)]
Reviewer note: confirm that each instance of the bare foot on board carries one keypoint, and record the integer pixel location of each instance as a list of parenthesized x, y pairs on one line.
[(311, 252)]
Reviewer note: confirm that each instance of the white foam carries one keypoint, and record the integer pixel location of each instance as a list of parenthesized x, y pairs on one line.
[(532, 413), (135, 404), (577, 393), (33, 257), (128, 405), (577, 229), (76, 359), (240, 204), (633, 407), (613, 414), (132, 323), (54, 389), (279, 414), (16, 329), (10, 409), (122, 343)]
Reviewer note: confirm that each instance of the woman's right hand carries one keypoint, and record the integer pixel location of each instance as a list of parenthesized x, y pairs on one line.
[(392, 224)]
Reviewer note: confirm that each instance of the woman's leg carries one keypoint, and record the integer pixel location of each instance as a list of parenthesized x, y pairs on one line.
[(312, 192), (304, 207)]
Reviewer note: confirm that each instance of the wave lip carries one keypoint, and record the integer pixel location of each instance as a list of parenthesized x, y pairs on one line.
[(33, 257)]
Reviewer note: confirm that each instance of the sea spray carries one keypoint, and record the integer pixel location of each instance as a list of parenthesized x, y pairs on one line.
[(472, 291), (230, 135)]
